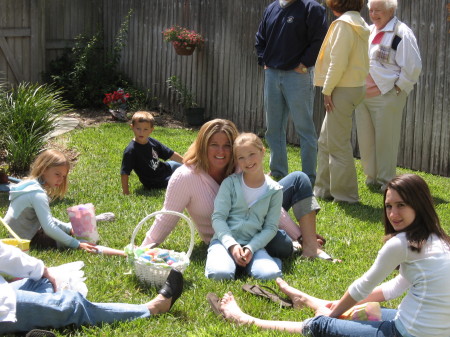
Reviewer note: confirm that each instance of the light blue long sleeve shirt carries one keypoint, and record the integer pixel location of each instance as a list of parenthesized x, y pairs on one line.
[(29, 210), (234, 222)]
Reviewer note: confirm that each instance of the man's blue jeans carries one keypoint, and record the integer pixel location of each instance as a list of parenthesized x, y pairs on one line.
[(288, 93), (323, 326), (39, 307)]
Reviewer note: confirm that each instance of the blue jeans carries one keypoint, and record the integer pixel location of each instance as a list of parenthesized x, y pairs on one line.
[(280, 246), (296, 187), (333, 327), (288, 93), (173, 165), (220, 264), (39, 307)]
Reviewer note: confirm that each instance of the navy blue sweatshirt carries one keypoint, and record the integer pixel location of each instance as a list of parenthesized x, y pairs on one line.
[(291, 35)]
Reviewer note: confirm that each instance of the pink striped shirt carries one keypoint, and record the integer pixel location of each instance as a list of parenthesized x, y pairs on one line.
[(195, 192)]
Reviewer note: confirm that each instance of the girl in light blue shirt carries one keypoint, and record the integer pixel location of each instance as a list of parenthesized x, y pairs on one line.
[(29, 212), (245, 219)]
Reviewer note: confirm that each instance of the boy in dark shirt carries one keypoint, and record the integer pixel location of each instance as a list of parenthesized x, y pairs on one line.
[(143, 155)]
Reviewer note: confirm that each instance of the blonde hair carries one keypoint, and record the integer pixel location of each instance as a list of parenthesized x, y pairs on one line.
[(143, 117), (197, 154), (248, 137), (47, 159)]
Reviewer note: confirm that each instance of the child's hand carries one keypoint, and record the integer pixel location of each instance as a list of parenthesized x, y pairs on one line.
[(87, 246), (248, 255), (238, 255)]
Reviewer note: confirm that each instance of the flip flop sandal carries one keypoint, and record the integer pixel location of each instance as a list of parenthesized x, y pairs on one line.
[(324, 256), (268, 293), (40, 333), (321, 256), (214, 302)]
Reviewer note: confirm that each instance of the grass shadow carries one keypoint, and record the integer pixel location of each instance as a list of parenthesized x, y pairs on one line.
[(438, 201), (199, 252), (154, 192), (362, 212), (4, 199)]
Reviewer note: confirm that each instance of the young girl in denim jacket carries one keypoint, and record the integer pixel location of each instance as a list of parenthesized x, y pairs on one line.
[(246, 214)]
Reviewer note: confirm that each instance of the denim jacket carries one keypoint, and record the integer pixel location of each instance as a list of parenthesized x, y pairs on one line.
[(234, 222)]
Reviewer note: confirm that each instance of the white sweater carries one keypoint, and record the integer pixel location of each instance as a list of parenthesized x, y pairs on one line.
[(405, 64), (18, 264), (425, 310)]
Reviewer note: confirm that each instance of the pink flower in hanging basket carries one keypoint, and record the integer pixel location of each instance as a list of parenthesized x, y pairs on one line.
[(182, 36)]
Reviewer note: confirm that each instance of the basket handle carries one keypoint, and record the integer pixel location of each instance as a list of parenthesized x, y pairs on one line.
[(189, 221), (9, 229)]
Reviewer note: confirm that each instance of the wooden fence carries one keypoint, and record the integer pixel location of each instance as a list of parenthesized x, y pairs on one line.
[(224, 75)]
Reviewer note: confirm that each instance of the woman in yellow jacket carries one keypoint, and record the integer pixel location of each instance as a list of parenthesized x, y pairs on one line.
[(341, 69)]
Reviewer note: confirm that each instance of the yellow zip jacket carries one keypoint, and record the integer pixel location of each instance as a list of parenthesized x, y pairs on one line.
[(343, 59)]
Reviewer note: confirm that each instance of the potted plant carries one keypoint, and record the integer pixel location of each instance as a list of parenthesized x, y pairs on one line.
[(183, 40), (117, 104), (4, 171), (184, 97)]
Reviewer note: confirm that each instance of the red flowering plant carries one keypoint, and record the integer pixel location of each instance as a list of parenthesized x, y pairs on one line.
[(117, 99), (180, 36), (117, 103)]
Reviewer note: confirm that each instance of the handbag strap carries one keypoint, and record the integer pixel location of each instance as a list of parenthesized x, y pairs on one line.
[(9, 229)]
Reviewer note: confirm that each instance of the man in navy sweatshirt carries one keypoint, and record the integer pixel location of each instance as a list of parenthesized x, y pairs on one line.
[(287, 43)]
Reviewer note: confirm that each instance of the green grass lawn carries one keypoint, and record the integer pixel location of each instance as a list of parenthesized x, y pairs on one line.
[(354, 234)]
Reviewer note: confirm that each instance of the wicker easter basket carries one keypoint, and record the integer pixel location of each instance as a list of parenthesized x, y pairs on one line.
[(22, 244), (155, 274)]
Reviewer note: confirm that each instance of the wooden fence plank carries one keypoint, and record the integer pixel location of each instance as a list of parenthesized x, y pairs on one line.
[(224, 75)]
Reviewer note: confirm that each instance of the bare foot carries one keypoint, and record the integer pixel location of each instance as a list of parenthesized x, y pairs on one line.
[(311, 251), (159, 305), (299, 298), (231, 310)]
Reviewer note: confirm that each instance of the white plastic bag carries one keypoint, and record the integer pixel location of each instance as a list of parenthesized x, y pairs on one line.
[(69, 276)]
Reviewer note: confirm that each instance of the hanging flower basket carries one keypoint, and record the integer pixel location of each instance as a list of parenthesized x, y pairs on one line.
[(183, 40), (184, 50)]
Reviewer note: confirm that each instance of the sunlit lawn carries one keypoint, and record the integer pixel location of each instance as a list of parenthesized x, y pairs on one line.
[(354, 234)]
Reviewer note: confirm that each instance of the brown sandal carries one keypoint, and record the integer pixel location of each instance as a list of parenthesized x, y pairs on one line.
[(269, 294), (214, 302)]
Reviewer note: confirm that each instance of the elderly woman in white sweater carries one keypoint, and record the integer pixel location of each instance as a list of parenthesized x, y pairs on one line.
[(395, 66)]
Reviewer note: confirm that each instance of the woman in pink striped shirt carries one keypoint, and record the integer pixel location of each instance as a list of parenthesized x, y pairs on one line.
[(194, 186)]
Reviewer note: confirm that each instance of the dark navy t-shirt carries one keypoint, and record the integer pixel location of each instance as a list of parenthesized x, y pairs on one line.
[(145, 161)]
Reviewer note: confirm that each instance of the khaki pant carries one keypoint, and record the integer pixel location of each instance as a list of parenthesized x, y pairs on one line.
[(336, 172), (378, 122)]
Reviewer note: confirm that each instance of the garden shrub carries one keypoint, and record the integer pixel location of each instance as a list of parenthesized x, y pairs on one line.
[(141, 99), (89, 70), (28, 114)]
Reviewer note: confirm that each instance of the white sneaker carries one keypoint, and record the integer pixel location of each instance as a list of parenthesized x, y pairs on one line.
[(105, 217)]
